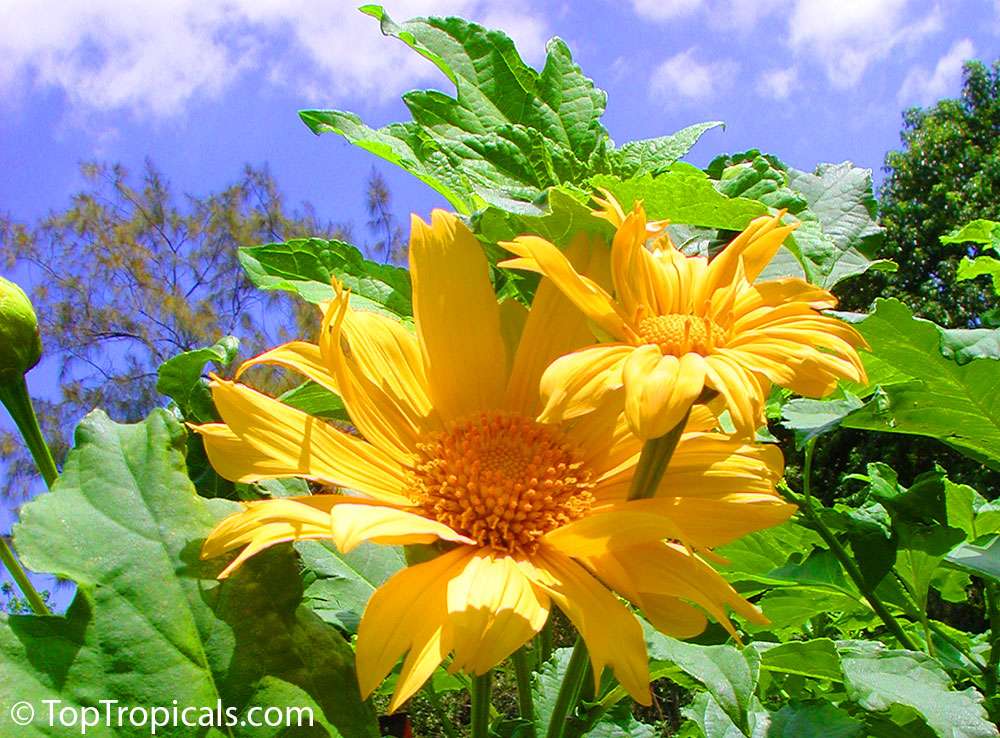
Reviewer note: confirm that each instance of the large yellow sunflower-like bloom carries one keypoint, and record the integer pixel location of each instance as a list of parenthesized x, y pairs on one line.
[(534, 513), (679, 324)]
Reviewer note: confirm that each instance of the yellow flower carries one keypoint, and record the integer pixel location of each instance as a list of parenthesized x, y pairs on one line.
[(679, 324), (534, 513)]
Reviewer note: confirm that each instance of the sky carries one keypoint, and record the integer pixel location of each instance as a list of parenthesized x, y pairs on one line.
[(202, 87)]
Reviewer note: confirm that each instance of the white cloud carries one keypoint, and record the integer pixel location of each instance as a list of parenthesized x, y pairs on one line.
[(683, 76), (847, 36), (152, 58), (778, 84), (661, 10), (923, 88)]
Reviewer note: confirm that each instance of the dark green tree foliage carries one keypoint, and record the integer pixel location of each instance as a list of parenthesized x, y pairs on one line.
[(946, 174), (130, 274)]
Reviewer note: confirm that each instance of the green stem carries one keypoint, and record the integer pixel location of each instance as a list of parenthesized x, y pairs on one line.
[(653, 461), (446, 723), (523, 674), (943, 635), (545, 646), (993, 608), (14, 567), (480, 727), (569, 691), (14, 395), (845, 559)]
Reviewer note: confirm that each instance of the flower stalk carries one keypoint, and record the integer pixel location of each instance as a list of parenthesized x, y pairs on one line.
[(480, 693), (523, 674), (846, 560), (653, 461), (569, 691), (21, 578), (993, 609), (15, 397)]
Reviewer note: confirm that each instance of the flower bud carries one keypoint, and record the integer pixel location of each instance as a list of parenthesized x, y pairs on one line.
[(20, 342)]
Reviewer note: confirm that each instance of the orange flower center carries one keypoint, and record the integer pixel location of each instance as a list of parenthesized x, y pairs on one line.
[(681, 334), (502, 480)]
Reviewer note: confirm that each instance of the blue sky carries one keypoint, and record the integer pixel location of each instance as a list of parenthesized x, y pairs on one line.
[(204, 86)]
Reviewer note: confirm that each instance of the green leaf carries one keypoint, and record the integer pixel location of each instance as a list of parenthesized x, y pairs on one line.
[(843, 204), (970, 511), (790, 607), (338, 585), (545, 687), (978, 267), (180, 379), (930, 394), (566, 216), (819, 720), (980, 560), (655, 155), (811, 418), (817, 658), (753, 557), (150, 624), (317, 400), (306, 266), (508, 129), (723, 670), (877, 679), (920, 552), (978, 231), (619, 723), (756, 177), (683, 197)]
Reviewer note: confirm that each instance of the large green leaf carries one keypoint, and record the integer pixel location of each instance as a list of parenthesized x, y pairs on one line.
[(339, 585), (842, 204), (922, 391), (683, 196), (817, 720), (981, 560), (817, 658), (510, 132), (306, 266), (877, 679), (150, 626), (655, 155), (724, 671)]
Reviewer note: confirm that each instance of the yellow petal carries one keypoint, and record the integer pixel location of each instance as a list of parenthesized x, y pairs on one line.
[(589, 297), (617, 526), (352, 525), (495, 609), (304, 446), (671, 616), (380, 371), (743, 397), (408, 613), (613, 636), (778, 292), (581, 382), (668, 569), (457, 318), (555, 327), (659, 390), (236, 460), (713, 521), (513, 318), (264, 523), (300, 356)]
